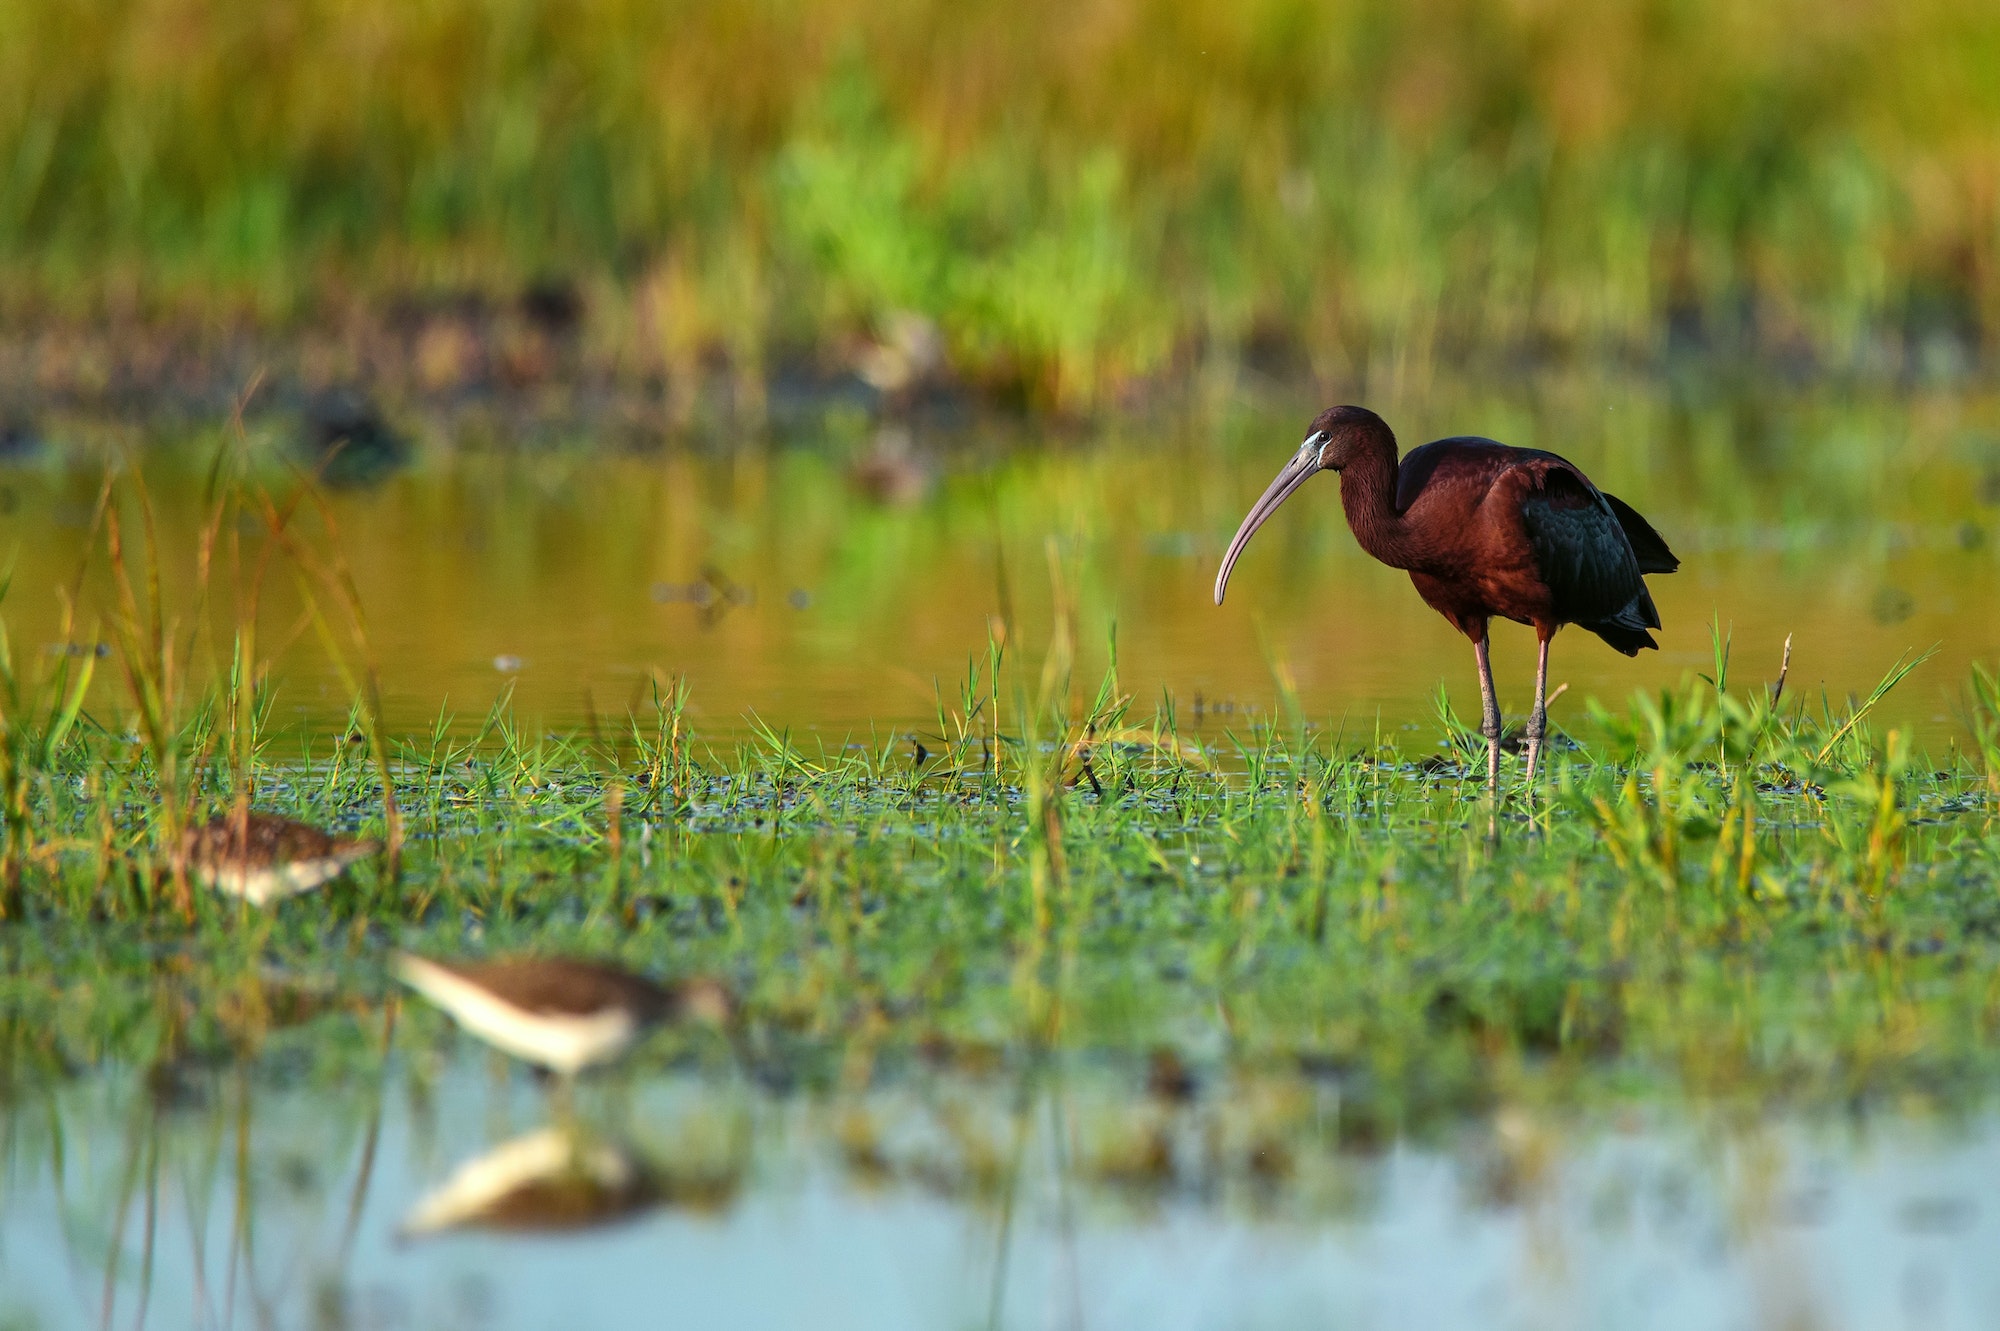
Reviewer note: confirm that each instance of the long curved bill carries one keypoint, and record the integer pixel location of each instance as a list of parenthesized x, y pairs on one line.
[(1296, 473)]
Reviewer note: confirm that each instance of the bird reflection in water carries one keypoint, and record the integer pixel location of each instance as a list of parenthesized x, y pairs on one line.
[(548, 1181), (565, 1179)]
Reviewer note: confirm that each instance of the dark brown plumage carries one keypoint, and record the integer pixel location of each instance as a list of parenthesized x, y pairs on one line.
[(562, 986), (1485, 531), (267, 839), (264, 856)]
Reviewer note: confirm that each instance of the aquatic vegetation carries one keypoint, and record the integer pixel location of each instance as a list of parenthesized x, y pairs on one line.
[(1720, 883), (1717, 886), (1202, 954), (1033, 886)]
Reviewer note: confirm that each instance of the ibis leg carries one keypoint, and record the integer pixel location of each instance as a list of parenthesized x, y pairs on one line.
[(1489, 712), (1538, 720)]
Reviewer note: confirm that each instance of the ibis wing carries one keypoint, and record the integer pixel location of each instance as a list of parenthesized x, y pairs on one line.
[(1647, 544), (1591, 550), (1463, 460), (1586, 559)]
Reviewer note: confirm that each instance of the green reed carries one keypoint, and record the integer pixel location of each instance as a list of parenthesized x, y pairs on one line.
[(1333, 892)]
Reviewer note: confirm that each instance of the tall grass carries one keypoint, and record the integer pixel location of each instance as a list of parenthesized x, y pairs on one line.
[(1694, 880), (1048, 865), (1078, 194), (1672, 787)]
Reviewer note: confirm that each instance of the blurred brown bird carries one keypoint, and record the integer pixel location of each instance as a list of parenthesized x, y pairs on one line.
[(562, 1014), (1485, 531), (265, 857)]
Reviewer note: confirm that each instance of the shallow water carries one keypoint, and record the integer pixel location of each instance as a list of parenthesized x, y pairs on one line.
[(792, 580), (1024, 1199), (269, 1187)]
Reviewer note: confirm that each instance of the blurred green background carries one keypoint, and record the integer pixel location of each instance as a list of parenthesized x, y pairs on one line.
[(1065, 202)]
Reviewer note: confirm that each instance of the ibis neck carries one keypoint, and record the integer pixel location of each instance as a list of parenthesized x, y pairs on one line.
[(1368, 495)]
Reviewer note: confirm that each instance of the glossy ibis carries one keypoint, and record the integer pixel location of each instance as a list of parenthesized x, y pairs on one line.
[(1484, 530)]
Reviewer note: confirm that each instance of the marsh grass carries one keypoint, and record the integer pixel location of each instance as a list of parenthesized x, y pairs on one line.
[(1726, 887), (1014, 928), (1063, 872)]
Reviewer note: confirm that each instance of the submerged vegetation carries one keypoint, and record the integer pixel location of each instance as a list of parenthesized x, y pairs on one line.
[(1061, 201)]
